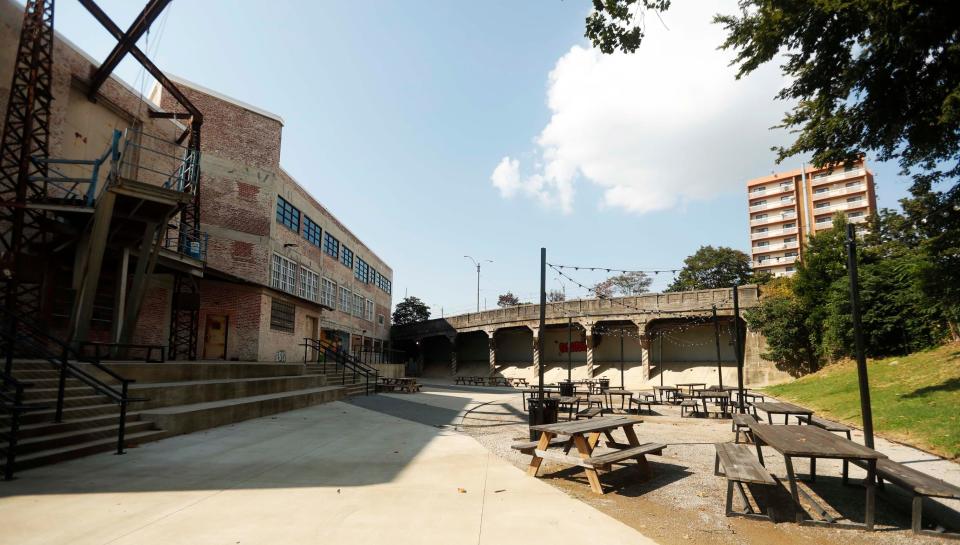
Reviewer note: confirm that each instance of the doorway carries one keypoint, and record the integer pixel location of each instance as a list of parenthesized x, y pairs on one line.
[(215, 337), (313, 333)]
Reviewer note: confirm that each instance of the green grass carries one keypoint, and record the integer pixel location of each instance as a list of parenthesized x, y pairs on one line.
[(915, 398)]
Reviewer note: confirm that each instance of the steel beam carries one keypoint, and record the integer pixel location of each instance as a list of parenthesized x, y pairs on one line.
[(129, 39)]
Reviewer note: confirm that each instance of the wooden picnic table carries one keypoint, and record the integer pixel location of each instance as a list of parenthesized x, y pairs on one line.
[(720, 396), (666, 393), (691, 385), (404, 384), (584, 435), (795, 441), (779, 407), (624, 395)]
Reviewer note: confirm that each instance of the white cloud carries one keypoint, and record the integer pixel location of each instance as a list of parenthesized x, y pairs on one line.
[(654, 129)]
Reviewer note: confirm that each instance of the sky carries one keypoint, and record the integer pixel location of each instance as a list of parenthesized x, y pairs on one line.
[(438, 130)]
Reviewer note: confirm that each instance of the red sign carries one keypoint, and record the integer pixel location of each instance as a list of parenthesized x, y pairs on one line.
[(579, 346)]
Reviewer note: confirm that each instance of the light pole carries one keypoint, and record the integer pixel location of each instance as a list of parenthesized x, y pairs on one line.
[(477, 263)]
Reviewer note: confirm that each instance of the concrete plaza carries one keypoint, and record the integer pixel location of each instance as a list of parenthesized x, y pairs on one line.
[(334, 473)]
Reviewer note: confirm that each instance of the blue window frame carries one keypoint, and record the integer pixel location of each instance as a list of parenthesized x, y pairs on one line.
[(311, 231), (331, 246), (288, 215), (346, 256), (371, 276), (362, 270)]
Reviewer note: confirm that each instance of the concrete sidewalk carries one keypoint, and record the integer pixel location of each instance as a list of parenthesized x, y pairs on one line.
[(334, 473)]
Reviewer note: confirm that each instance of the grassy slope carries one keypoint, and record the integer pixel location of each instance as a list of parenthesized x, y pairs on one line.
[(915, 398)]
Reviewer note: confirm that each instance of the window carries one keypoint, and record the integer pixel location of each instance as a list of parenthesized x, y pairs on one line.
[(346, 256), (371, 275), (790, 254), (357, 305), (824, 204), (822, 189), (789, 240), (758, 203), (328, 293), (362, 270), (309, 284), (790, 269), (380, 320), (284, 274), (346, 299), (856, 198), (789, 225), (786, 198), (387, 286), (369, 310), (824, 219), (857, 214), (853, 183), (822, 174), (760, 216), (763, 243), (331, 245), (311, 231), (759, 189), (282, 316), (287, 214)]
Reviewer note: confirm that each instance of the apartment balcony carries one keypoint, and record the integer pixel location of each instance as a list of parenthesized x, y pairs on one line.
[(859, 188), (774, 189), (841, 206), (773, 233), (838, 176), (772, 205), (773, 219), (775, 247), (858, 219), (774, 261)]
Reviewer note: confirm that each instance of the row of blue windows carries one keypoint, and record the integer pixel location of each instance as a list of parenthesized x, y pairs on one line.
[(289, 216)]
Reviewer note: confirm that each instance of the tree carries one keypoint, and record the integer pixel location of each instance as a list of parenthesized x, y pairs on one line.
[(864, 76), (781, 318), (409, 310), (711, 268), (507, 300), (556, 296)]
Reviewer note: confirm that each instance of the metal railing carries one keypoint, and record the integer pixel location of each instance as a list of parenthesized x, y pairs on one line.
[(11, 402), (78, 187), (26, 339), (325, 353), (192, 243)]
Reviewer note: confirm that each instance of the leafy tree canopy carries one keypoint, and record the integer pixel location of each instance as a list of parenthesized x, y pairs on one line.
[(507, 300), (409, 310), (711, 268), (631, 283), (556, 296)]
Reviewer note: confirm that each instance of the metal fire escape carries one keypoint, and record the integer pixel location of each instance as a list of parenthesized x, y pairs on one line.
[(43, 215)]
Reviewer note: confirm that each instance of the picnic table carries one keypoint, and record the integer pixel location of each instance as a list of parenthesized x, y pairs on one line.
[(667, 393), (403, 384), (795, 441), (624, 395), (779, 407), (691, 385), (722, 397), (584, 435)]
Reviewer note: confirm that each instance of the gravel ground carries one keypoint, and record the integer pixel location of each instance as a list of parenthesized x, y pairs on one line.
[(683, 502)]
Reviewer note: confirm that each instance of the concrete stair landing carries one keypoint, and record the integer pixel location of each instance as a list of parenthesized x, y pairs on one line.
[(181, 398)]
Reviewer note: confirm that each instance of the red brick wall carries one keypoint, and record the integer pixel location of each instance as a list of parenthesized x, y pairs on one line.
[(241, 305)]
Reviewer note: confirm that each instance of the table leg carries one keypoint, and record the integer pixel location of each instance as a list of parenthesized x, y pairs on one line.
[(871, 493), (770, 418), (786, 418), (593, 439), (535, 461), (792, 478), (813, 469), (585, 450), (631, 435), (758, 444)]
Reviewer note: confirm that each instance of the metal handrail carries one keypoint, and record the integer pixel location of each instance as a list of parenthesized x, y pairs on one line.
[(39, 342), (343, 359), (13, 403)]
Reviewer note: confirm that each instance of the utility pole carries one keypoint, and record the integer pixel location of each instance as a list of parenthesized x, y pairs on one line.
[(477, 263), (865, 408), (738, 350), (716, 335)]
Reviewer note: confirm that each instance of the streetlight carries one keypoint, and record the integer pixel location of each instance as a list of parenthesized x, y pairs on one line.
[(477, 263)]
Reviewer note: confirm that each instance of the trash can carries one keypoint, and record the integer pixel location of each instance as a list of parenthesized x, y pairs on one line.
[(604, 384), (566, 388), (542, 411)]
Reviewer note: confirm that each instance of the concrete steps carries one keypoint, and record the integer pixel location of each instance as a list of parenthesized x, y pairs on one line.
[(182, 419), (79, 450), (166, 394)]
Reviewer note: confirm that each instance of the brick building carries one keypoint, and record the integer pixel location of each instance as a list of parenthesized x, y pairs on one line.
[(280, 266)]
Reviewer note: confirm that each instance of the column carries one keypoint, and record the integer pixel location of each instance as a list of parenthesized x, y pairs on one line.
[(644, 352), (588, 329), (492, 347), (453, 353), (536, 350)]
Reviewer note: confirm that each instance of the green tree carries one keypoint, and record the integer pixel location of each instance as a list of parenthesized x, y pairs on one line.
[(629, 283), (781, 318), (823, 263), (507, 300), (556, 296), (409, 310), (864, 76), (710, 268)]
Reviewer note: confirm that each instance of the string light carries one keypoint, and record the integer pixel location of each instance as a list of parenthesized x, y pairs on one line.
[(609, 270)]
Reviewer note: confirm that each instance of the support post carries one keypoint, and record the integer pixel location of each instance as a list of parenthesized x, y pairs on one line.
[(589, 340), (537, 356), (453, 353), (146, 261), (738, 349), (716, 336), (623, 383), (492, 348), (569, 349), (543, 316), (83, 303), (865, 407)]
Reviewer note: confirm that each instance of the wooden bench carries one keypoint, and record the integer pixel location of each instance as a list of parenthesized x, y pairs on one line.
[(529, 446), (688, 404), (828, 425), (919, 485), (741, 423), (640, 402), (460, 380), (639, 452), (740, 465), (590, 412)]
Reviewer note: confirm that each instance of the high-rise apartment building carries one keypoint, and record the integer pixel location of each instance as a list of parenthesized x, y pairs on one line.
[(786, 208)]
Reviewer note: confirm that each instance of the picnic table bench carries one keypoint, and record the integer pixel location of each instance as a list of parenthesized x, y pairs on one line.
[(585, 435), (741, 423), (402, 384), (667, 394), (823, 423), (739, 467)]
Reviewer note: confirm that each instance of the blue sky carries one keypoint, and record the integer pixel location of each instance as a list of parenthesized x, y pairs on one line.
[(436, 130)]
